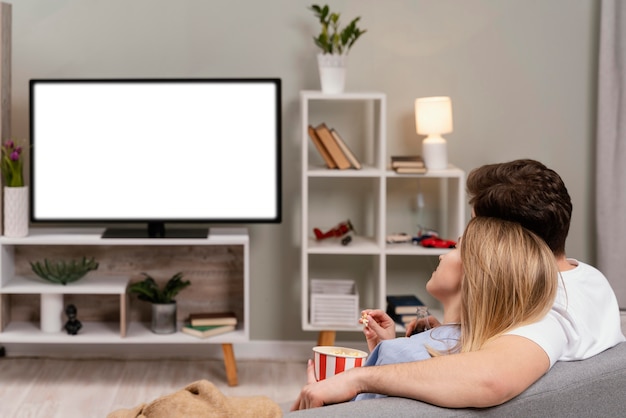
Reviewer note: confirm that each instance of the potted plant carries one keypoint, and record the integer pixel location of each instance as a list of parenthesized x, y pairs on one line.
[(335, 42), (15, 193), (162, 300)]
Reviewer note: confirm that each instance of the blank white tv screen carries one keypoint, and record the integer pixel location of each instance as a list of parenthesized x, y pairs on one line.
[(155, 150)]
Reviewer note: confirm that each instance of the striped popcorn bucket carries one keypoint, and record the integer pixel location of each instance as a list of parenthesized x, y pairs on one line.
[(331, 360)]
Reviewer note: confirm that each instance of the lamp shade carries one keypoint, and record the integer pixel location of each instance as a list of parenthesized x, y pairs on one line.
[(433, 115)]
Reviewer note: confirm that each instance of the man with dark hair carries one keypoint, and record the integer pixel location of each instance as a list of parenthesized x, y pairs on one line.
[(583, 321), (526, 192)]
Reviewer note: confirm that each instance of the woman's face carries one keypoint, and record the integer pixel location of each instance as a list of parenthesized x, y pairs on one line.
[(445, 282)]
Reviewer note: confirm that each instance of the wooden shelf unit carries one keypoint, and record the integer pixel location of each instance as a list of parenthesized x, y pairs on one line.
[(98, 284)]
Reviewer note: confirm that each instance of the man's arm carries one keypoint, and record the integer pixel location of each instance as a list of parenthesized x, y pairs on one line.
[(499, 371)]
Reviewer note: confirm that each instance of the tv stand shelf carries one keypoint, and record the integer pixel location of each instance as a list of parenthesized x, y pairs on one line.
[(125, 331), (90, 285)]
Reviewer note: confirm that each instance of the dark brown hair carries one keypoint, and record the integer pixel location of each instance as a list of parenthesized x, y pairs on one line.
[(527, 192)]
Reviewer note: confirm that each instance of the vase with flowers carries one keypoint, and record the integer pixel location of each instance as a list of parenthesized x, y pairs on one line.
[(15, 200)]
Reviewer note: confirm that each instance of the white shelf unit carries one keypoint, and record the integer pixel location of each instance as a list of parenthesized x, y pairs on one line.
[(124, 332), (366, 197)]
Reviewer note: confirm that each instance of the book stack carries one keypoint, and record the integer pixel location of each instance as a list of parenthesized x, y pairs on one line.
[(408, 164), (403, 308), (333, 148), (207, 324)]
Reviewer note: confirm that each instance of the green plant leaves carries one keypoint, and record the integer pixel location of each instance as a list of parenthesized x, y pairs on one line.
[(331, 39), (149, 290)]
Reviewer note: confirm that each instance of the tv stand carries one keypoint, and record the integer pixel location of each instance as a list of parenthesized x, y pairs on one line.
[(156, 230), (125, 328)]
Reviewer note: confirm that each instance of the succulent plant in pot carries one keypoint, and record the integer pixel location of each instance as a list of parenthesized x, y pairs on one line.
[(335, 42), (162, 300)]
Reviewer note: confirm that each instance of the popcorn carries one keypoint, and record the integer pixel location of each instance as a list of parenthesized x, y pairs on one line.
[(364, 319), (346, 353)]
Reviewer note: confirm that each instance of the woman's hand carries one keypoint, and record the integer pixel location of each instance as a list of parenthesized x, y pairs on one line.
[(378, 327), (338, 388), (421, 324)]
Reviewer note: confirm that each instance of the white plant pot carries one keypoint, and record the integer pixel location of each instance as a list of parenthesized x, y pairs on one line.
[(332, 69), (15, 211)]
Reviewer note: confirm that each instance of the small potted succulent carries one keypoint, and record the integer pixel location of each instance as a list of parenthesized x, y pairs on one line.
[(335, 42), (162, 300)]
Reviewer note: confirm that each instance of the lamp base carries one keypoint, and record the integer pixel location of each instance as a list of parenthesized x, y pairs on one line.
[(435, 153)]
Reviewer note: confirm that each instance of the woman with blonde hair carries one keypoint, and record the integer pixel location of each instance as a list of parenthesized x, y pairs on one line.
[(500, 277)]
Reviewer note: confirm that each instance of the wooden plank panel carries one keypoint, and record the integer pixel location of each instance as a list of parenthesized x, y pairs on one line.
[(215, 272)]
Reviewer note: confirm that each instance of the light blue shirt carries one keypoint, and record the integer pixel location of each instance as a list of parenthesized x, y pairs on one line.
[(404, 350)]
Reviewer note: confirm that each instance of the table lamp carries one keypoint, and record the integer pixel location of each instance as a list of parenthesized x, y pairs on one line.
[(433, 117)]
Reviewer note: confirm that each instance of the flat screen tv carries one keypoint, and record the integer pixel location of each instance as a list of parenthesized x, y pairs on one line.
[(155, 151)]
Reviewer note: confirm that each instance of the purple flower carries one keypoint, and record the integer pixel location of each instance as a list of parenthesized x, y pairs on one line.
[(9, 144), (15, 156)]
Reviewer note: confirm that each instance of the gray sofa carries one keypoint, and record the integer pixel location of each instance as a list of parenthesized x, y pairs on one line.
[(595, 387)]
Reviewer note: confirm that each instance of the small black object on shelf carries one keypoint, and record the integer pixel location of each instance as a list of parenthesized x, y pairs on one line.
[(72, 325)]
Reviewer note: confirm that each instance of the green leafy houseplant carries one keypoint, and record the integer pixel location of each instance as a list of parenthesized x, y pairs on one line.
[(332, 39), (149, 290), (63, 272), (11, 164)]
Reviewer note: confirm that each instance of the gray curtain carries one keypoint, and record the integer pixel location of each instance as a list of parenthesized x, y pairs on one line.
[(611, 147)]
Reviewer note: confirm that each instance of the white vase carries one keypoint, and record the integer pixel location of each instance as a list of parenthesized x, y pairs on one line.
[(332, 69), (15, 211), (51, 312)]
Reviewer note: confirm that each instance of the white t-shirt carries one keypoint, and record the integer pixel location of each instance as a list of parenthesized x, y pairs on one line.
[(584, 319)]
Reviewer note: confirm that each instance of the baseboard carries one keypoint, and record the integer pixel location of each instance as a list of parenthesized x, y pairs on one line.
[(253, 350)]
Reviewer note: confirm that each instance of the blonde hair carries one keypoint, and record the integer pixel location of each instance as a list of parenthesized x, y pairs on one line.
[(510, 279)]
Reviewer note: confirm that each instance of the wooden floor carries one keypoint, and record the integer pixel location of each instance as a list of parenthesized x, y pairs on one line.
[(59, 388)]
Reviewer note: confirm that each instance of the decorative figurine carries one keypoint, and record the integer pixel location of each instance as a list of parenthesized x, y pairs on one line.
[(72, 325), (338, 231)]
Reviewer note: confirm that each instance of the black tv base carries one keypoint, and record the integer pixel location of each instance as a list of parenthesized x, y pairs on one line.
[(156, 230)]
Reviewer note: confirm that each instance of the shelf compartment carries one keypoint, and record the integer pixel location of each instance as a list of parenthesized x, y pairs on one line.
[(89, 285), (337, 199), (444, 203)]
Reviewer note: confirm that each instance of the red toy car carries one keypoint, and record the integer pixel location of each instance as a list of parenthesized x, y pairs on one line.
[(436, 242)]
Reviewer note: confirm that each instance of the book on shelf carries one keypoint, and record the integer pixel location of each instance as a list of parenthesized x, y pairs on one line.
[(205, 331), (328, 140), (330, 163), (410, 170), (403, 304), (398, 161), (213, 318), (347, 152)]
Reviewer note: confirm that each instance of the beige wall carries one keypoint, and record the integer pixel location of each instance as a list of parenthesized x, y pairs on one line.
[(521, 74)]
